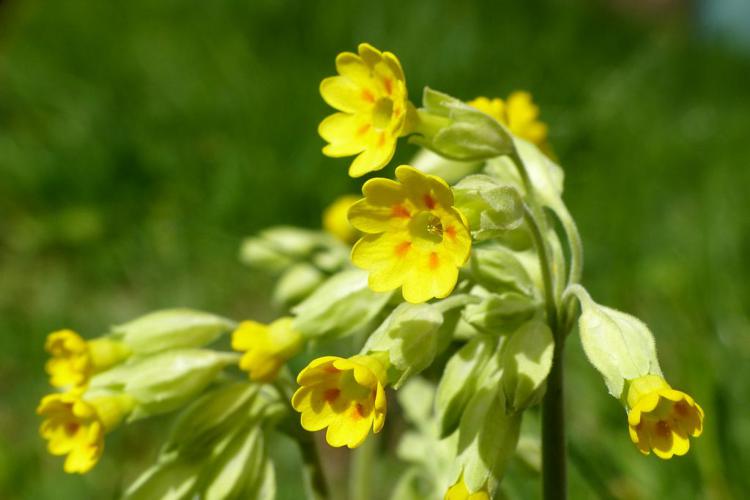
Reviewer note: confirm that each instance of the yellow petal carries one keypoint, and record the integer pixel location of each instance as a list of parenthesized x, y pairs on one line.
[(375, 157), (346, 133), (345, 95)]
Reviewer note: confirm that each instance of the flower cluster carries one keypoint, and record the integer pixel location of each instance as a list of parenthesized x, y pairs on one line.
[(464, 281)]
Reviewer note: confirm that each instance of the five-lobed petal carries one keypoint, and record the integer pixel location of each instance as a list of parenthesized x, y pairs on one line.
[(345, 395), (661, 419), (266, 347), (414, 237), (371, 97)]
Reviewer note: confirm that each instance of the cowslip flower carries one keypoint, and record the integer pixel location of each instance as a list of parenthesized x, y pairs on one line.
[(414, 237), (660, 418), (76, 427), (519, 114), (336, 222), (266, 347), (370, 93), (345, 395), (74, 360), (459, 491)]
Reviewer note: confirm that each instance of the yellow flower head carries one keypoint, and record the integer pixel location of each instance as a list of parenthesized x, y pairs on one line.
[(660, 418), (74, 360), (459, 491), (267, 347), (519, 114), (335, 219), (76, 428), (345, 395), (414, 237), (370, 93)]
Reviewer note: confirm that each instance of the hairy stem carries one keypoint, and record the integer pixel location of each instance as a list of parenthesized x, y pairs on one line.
[(360, 479), (316, 485)]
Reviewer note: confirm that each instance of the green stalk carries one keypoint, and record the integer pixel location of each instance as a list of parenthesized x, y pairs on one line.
[(554, 465)]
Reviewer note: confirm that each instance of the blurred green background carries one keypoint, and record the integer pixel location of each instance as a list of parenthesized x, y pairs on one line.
[(139, 141)]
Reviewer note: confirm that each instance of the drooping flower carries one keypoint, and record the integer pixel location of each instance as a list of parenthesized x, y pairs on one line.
[(336, 222), (459, 491), (76, 427), (345, 395), (414, 237), (74, 360), (519, 114), (370, 93), (661, 419), (267, 347)]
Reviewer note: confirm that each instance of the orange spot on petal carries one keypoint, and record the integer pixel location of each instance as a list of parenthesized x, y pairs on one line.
[(399, 210), (331, 395), (381, 139), (403, 248), (358, 412), (429, 201), (388, 85), (434, 260), (331, 369), (367, 96), (363, 129), (451, 232)]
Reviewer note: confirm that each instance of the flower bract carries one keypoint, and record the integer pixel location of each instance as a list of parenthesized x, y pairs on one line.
[(519, 114), (661, 419), (266, 347), (371, 97), (414, 237), (346, 395)]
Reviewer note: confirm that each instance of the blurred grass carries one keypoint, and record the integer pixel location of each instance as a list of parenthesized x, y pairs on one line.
[(139, 143)]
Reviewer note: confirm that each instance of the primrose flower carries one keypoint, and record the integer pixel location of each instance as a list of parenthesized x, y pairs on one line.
[(345, 395), (267, 347), (414, 237), (459, 491), (660, 418), (370, 93), (74, 360), (76, 427), (335, 219), (519, 114)]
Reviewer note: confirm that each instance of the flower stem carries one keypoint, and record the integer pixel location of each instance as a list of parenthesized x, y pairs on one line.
[(554, 482)]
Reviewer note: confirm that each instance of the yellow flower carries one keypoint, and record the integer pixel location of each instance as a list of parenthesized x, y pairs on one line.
[(75, 360), (345, 395), (267, 347), (660, 418), (459, 491), (76, 428), (519, 114), (370, 93), (336, 222), (414, 237)]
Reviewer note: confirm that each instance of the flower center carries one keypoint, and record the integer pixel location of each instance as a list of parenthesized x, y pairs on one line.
[(427, 226), (382, 112)]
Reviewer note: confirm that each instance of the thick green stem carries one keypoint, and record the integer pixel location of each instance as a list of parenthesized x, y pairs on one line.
[(554, 482), (554, 478)]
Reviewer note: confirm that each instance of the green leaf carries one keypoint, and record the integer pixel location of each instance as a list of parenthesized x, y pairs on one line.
[(460, 379), (620, 346), (342, 305), (487, 439), (171, 329), (409, 336), (526, 361), (500, 313), (457, 131)]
